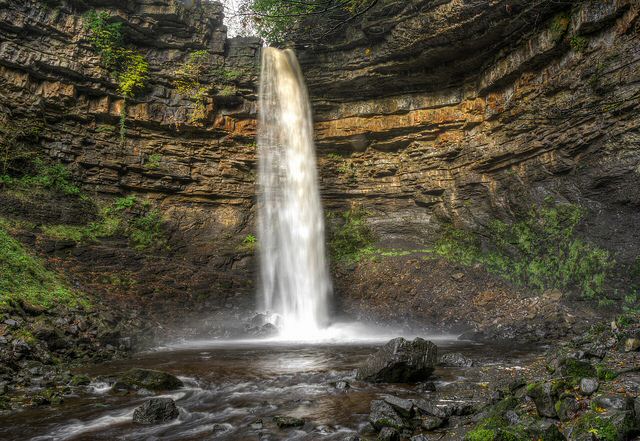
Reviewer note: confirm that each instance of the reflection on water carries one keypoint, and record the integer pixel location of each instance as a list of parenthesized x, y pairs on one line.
[(229, 388)]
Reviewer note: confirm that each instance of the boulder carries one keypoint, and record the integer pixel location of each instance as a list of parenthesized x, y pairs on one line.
[(455, 359), (388, 434), (612, 425), (544, 396), (156, 410), (382, 414), (589, 386), (400, 361), (429, 422), (403, 406), (149, 379), (284, 422)]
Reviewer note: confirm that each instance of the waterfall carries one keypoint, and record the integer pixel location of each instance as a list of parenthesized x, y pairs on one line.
[(293, 269)]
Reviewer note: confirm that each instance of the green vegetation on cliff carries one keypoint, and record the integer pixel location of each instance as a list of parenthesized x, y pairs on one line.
[(188, 82), (352, 238), (274, 19), (23, 277), (130, 68), (126, 216), (541, 251)]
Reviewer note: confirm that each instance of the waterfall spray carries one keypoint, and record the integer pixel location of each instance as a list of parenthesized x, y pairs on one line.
[(293, 270)]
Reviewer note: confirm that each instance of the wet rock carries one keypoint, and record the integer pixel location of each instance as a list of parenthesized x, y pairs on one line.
[(383, 415), (544, 396), (156, 410), (403, 406), (632, 344), (49, 396), (11, 323), (429, 422), (80, 380), (588, 386), (426, 407), (388, 434), (419, 438), (455, 359), (496, 396), (512, 417), (150, 379), (427, 386), (400, 361), (284, 422), (352, 438), (343, 385), (256, 425)]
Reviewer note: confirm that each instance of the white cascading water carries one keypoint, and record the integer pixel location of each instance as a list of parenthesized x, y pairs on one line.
[(295, 282)]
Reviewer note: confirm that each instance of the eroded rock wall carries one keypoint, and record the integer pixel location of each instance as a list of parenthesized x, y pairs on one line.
[(200, 175), (548, 108), (456, 113)]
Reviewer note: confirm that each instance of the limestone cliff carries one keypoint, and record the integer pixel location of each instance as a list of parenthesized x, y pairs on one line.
[(199, 174), (436, 113), (428, 113)]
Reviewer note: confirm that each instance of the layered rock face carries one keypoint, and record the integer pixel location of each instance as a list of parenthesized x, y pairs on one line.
[(199, 174), (437, 113), (428, 113), (466, 111)]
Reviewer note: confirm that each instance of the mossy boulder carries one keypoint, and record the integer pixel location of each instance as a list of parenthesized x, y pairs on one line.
[(149, 379), (382, 414), (545, 395), (80, 380), (285, 422), (572, 370), (606, 426)]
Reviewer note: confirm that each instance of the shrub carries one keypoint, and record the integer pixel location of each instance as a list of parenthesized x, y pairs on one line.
[(50, 176), (579, 43), (187, 82), (130, 68), (18, 145), (153, 161)]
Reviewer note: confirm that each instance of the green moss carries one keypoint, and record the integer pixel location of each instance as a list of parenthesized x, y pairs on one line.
[(24, 277), (46, 175), (579, 43), (227, 90), (604, 373), (146, 231), (574, 370), (602, 428), (559, 26), (126, 216), (353, 238), (25, 335), (481, 435), (153, 161)]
